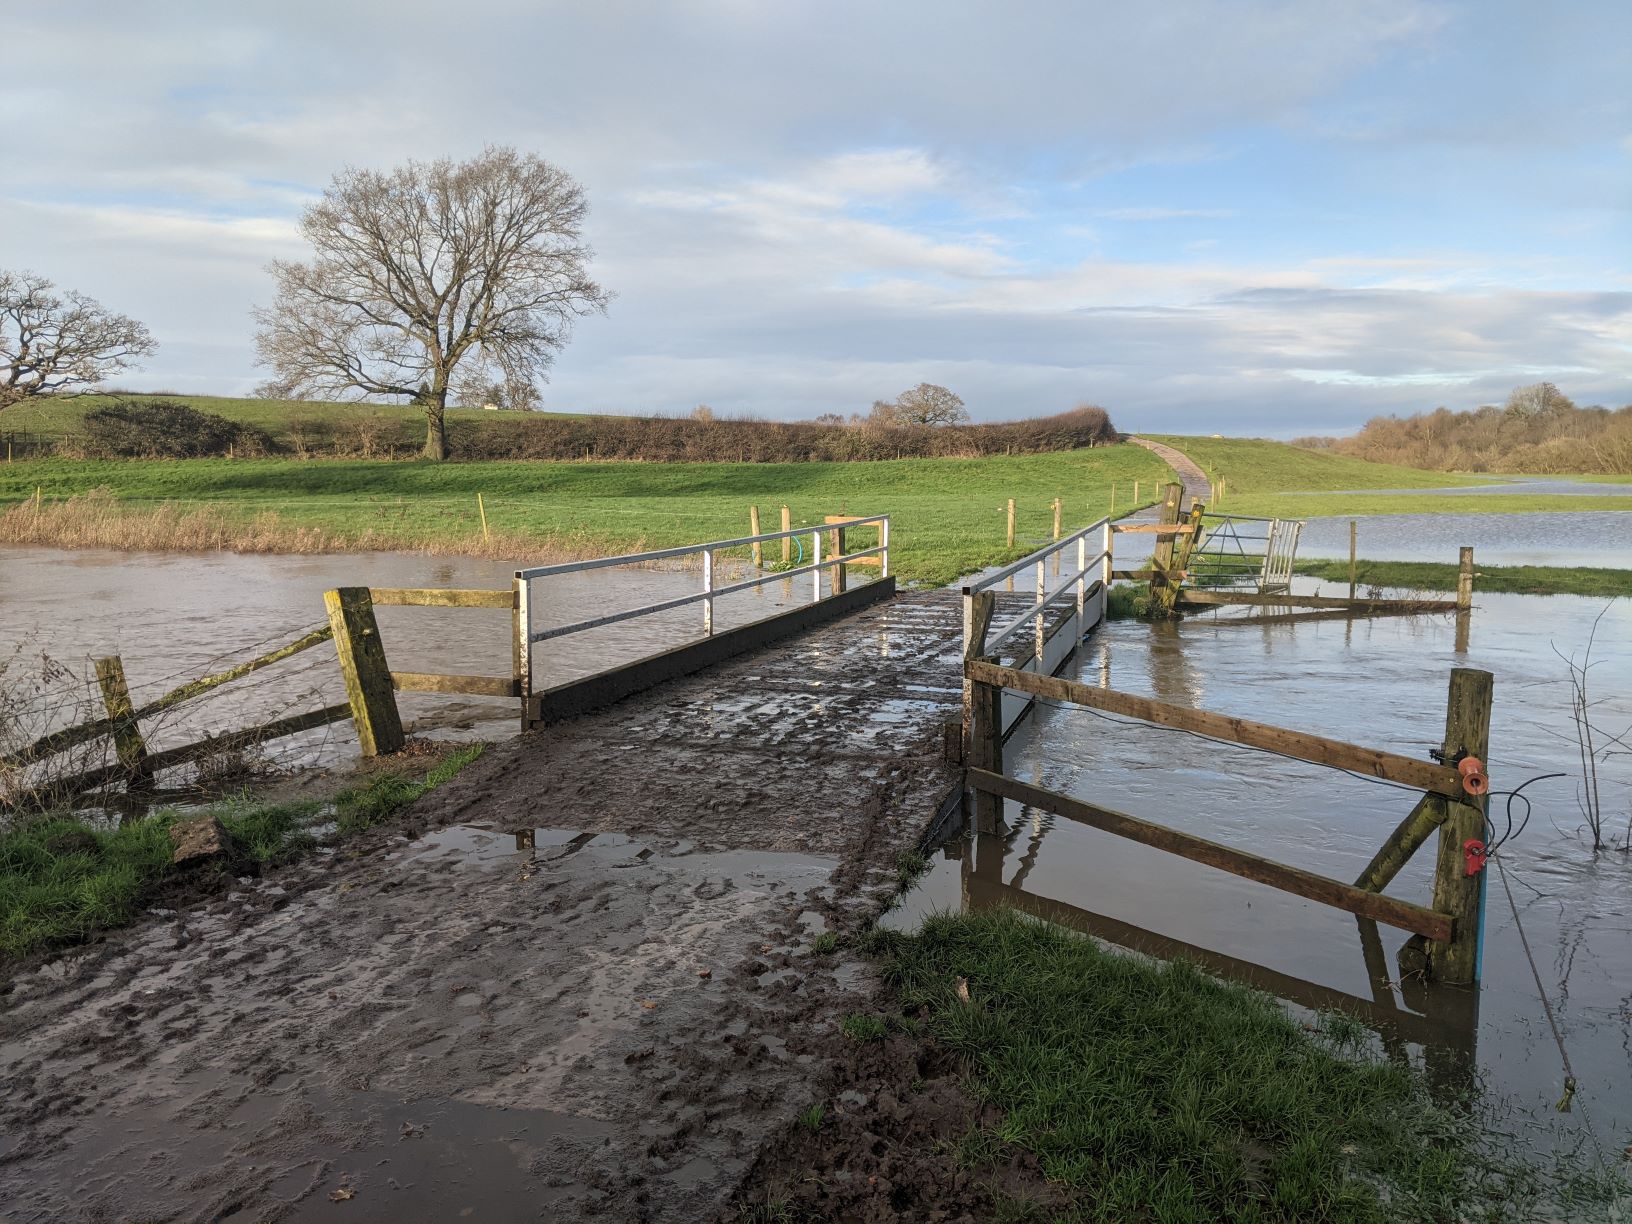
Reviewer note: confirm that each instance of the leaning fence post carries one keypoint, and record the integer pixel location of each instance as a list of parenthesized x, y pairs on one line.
[(362, 664), (128, 745), (1467, 732)]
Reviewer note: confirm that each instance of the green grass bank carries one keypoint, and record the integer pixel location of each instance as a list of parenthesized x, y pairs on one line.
[(63, 879), (1150, 1091), (1494, 579)]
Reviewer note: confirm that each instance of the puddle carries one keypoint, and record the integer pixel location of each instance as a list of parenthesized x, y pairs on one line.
[(1376, 682)]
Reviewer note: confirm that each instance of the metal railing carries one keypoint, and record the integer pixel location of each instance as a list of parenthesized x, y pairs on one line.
[(1092, 545), (527, 637)]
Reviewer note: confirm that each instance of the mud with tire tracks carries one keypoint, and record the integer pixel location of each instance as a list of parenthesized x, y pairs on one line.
[(575, 981)]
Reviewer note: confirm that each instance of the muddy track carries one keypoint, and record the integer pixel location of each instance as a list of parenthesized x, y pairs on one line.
[(1196, 485), (576, 981)]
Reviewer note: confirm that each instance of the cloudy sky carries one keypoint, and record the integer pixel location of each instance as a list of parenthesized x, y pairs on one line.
[(1276, 218)]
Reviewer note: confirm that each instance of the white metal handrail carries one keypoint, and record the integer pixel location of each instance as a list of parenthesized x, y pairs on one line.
[(528, 637), (1074, 583)]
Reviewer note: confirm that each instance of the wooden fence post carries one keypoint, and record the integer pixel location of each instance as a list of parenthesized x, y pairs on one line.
[(1056, 518), (362, 664), (787, 541), (128, 745), (1467, 730), (1011, 522), (1464, 581), (1164, 591), (1354, 584), (985, 748), (753, 529)]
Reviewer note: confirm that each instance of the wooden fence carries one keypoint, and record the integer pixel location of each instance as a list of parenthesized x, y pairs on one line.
[(1450, 927)]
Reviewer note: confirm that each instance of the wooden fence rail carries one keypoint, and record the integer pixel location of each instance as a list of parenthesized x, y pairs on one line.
[(1451, 928)]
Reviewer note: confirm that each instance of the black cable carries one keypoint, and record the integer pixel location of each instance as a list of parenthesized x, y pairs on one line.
[(1491, 844)]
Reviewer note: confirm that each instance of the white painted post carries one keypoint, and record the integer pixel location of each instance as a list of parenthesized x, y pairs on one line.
[(1082, 580), (522, 648), (1042, 617), (708, 588), (884, 543), (816, 560)]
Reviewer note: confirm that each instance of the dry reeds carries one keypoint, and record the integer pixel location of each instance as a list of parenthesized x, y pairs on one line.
[(98, 519)]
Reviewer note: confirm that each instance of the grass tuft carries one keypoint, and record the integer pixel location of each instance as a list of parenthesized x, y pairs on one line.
[(859, 1026)]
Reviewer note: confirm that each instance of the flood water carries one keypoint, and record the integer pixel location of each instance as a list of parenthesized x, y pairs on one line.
[(1592, 537), (173, 617), (1381, 683)]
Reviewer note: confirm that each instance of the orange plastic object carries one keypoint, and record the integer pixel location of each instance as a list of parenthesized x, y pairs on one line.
[(1473, 850), (1474, 780)]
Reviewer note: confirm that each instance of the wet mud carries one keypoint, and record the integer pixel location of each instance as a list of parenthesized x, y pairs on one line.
[(577, 981)]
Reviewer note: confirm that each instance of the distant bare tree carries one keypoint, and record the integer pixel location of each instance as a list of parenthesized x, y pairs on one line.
[(54, 342), (830, 418), (928, 404), (1537, 398), (703, 413), (424, 270)]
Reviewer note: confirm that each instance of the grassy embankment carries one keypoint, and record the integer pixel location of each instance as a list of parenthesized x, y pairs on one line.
[(1494, 579), (62, 879), (1152, 1091), (1271, 479), (948, 515)]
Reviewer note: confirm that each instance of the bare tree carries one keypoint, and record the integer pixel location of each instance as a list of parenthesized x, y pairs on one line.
[(928, 404), (54, 342), (424, 270), (1536, 399)]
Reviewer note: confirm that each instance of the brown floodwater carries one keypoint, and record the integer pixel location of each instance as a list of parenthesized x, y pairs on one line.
[(176, 616), (1381, 683)]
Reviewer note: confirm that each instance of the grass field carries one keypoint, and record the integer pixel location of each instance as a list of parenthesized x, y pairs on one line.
[(948, 515)]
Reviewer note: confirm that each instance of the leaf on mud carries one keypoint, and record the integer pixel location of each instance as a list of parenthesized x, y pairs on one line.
[(963, 990), (342, 1194), (705, 973), (648, 1004)]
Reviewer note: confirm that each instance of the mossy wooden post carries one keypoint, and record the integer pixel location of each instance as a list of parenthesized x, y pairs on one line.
[(1467, 730), (1187, 543), (362, 664), (1162, 590), (1011, 523), (753, 529), (128, 745), (787, 541), (985, 747)]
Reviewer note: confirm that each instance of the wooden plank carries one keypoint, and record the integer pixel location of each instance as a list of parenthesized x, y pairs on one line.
[(68, 737), (366, 673), (431, 682), (1402, 914), (1467, 730), (1407, 1025), (1156, 529), (1199, 598), (436, 597), (1408, 771), (171, 757), (1396, 852), (1145, 575)]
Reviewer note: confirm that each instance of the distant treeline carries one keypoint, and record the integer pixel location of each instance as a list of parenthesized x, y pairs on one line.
[(158, 429), (1538, 430)]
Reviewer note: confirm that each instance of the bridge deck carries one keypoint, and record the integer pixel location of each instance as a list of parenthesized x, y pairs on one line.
[(578, 979)]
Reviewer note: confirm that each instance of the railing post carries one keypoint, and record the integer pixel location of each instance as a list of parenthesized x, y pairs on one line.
[(753, 530), (884, 544), (521, 648), (1107, 540), (985, 717), (362, 664), (708, 597), (128, 745), (816, 560), (1082, 581), (841, 580), (1042, 617), (1462, 896), (787, 541)]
